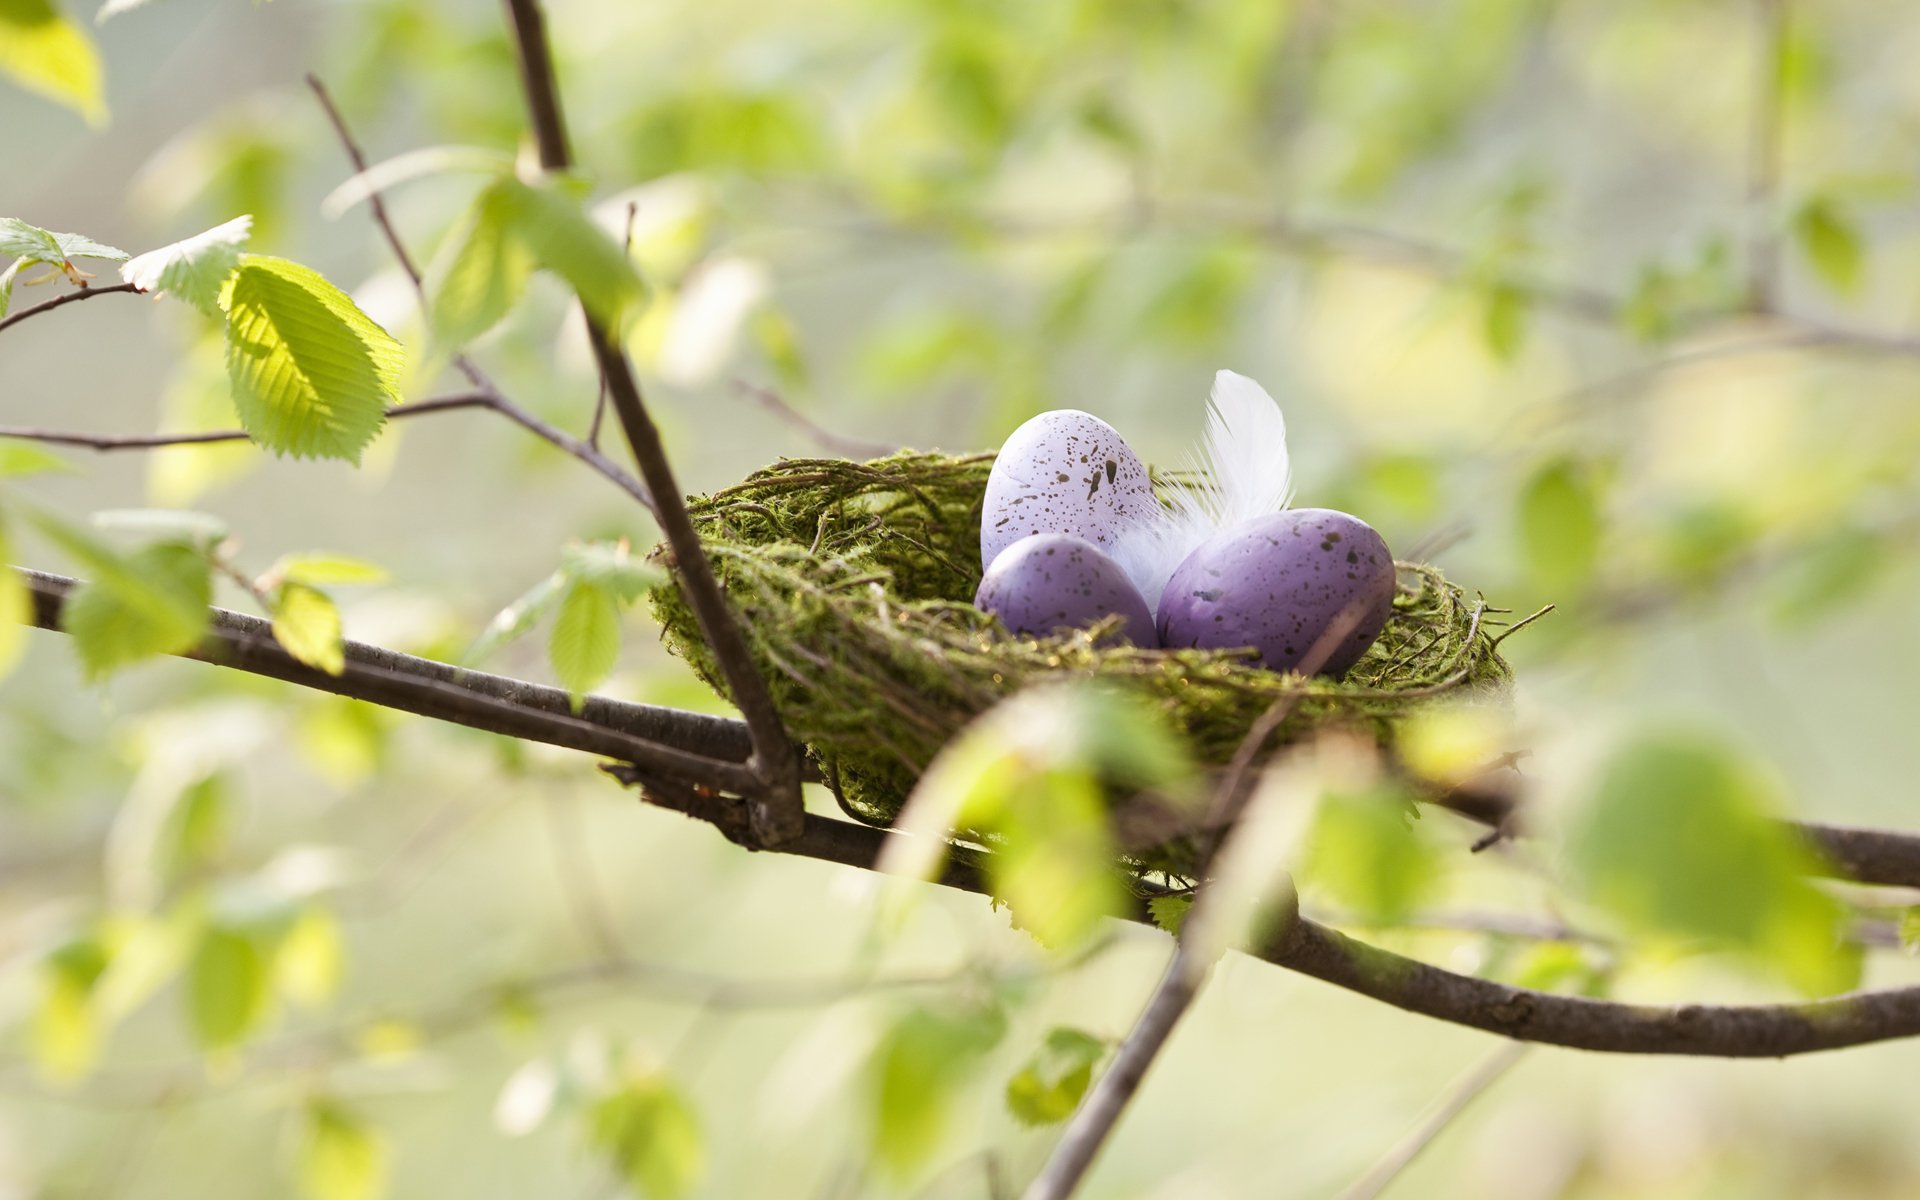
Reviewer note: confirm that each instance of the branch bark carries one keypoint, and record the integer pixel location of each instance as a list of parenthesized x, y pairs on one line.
[(775, 803), (681, 745)]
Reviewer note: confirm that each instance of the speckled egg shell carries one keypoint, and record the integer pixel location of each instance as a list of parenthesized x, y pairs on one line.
[(1277, 584), (1051, 583), (1064, 472)]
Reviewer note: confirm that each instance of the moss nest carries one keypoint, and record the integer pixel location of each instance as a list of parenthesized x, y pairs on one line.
[(853, 581)]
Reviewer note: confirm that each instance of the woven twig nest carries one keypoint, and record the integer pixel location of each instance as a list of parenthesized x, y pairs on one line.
[(853, 581)]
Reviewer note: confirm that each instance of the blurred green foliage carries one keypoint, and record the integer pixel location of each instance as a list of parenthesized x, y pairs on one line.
[(1533, 273)]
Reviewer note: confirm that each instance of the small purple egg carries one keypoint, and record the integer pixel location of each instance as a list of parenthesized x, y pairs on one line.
[(1054, 582), (1277, 584)]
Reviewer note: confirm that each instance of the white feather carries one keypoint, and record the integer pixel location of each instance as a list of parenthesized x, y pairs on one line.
[(1242, 472)]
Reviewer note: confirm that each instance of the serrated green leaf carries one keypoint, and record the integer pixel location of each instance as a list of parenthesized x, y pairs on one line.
[(481, 273), (339, 1156), (19, 459), (44, 52), (30, 242), (551, 223), (312, 375), (1678, 838), (317, 567), (586, 637), (648, 1132), (195, 269), (613, 566), (307, 625), (1830, 241), (517, 618), (152, 602), (1049, 1087), (1909, 929), (228, 987), (916, 1069), (1170, 912), (1559, 525)]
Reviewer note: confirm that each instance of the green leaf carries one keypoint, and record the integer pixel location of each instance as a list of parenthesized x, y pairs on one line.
[(1678, 839), (517, 618), (482, 272), (1909, 929), (311, 958), (1559, 526), (649, 1133), (1364, 853), (1559, 967), (19, 459), (152, 602), (196, 269), (586, 637), (1503, 320), (44, 52), (16, 608), (339, 1156), (34, 244), (312, 375), (317, 567), (1831, 243), (1035, 771), (1170, 912), (29, 244), (228, 987), (66, 1031), (611, 565), (916, 1071), (1048, 1088), (307, 624), (551, 223)]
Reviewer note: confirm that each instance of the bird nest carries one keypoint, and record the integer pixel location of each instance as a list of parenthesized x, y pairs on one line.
[(852, 581)]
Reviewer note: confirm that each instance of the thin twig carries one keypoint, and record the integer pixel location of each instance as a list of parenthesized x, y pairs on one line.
[(821, 436), (679, 745), (496, 399), (1458, 1098), (105, 442), (777, 811), (73, 297), (600, 401), (1194, 954)]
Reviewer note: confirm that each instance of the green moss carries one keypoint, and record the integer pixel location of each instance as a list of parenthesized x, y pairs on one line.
[(853, 581)]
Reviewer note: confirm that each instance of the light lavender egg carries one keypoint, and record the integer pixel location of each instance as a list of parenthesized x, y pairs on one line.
[(1050, 583), (1064, 471), (1278, 584)]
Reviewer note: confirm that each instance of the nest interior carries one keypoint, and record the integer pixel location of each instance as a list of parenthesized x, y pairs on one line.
[(853, 582)]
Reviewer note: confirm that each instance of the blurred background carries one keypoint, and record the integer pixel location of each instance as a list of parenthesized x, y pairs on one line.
[(1604, 304)]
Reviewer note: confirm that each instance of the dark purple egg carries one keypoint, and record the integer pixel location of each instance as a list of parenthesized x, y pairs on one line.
[(1277, 584), (1054, 582)]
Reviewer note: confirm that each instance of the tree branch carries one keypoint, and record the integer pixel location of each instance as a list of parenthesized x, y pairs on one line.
[(73, 297), (775, 804), (680, 745), (108, 442)]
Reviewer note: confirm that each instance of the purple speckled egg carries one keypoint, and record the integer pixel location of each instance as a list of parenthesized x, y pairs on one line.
[(1277, 584), (1054, 582), (1064, 471)]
